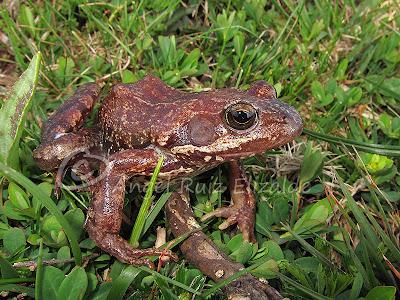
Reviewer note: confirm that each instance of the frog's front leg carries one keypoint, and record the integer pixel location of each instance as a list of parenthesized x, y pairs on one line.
[(242, 211), (105, 213), (62, 134)]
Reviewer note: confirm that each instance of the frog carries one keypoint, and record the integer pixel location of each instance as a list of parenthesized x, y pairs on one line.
[(137, 123)]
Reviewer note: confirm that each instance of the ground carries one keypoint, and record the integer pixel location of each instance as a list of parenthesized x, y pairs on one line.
[(328, 221)]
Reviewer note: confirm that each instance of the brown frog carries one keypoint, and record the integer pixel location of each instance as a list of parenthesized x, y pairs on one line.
[(138, 123)]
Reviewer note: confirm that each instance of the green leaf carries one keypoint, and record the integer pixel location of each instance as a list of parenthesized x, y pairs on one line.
[(128, 76), (26, 19), (52, 278), (389, 125), (235, 242), (36, 191), (73, 287), (357, 286), (375, 164), (243, 253), (76, 219), (14, 110), (320, 256), (52, 232), (7, 270), (273, 250), (168, 49), (317, 90), (17, 196), (341, 69), (92, 282), (308, 264), (64, 253), (65, 67), (191, 60), (267, 270), (354, 96), (381, 293), (304, 289), (238, 43), (315, 215), (14, 240), (311, 165)]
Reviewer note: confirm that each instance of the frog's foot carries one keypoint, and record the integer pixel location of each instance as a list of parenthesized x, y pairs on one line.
[(235, 214), (243, 210), (121, 249)]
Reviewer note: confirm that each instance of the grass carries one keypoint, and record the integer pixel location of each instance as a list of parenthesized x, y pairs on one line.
[(327, 220)]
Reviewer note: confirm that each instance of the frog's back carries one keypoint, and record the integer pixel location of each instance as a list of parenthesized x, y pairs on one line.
[(126, 113)]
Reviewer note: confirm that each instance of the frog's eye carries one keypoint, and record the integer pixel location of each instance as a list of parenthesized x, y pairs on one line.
[(241, 116)]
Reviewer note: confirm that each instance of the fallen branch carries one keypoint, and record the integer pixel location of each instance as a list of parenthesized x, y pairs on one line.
[(201, 252), (32, 265)]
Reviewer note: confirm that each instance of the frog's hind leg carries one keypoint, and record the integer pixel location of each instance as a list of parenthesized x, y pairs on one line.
[(106, 208), (242, 211), (62, 134)]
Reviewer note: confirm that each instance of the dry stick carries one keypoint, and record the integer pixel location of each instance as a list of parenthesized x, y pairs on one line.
[(31, 264), (204, 255)]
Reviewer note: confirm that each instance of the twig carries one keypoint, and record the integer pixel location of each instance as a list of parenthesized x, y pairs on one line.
[(31, 264)]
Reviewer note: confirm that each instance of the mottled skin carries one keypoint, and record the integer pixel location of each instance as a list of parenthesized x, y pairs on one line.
[(140, 122)]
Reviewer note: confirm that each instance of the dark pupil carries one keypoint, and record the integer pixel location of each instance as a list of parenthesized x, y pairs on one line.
[(241, 116)]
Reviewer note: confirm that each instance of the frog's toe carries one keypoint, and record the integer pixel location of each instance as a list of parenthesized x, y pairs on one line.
[(228, 222), (235, 215), (223, 212), (143, 262)]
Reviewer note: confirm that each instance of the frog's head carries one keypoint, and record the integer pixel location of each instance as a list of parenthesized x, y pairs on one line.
[(239, 124)]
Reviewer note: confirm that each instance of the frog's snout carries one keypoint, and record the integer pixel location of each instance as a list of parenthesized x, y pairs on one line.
[(293, 120), (284, 114)]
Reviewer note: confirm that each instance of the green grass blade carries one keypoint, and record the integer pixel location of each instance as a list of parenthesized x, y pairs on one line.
[(322, 258), (122, 283), (165, 289), (37, 192), (359, 215), (387, 150), (14, 110), (354, 257), (155, 211), (11, 30), (39, 274), (394, 250), (169, 280), (15, 288), (101, 25), (16, 280), (144, 208), (302, 288)]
